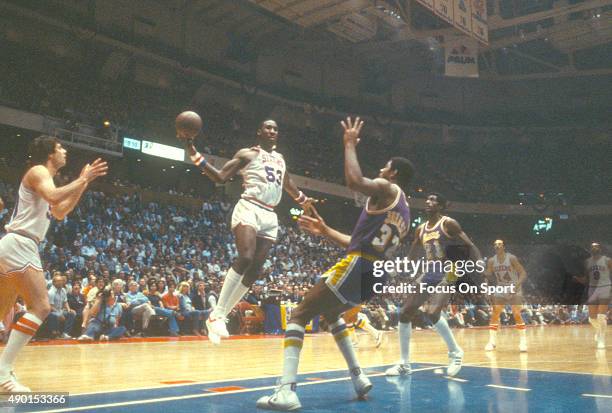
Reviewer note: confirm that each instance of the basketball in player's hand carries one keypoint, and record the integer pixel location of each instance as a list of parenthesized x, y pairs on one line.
[(188, 125)]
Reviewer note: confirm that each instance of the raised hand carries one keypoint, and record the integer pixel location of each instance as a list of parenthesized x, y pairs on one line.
[(351, 130), (190, 147), (313, 224), (94, 170), (308, 205)]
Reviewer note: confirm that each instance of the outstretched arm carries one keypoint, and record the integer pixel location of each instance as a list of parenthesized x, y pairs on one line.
[(380, 188), (298, 196), (231, 167), (63, 199), (317, 226)]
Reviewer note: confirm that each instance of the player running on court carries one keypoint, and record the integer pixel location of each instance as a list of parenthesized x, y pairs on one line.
[(442, 239), (21, 271)]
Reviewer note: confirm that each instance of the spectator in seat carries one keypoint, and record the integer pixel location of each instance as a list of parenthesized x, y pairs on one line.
[(156, 301), (91, 296), (139, 307), (187, 310), (60, 311), (77, 302), (199, 297)]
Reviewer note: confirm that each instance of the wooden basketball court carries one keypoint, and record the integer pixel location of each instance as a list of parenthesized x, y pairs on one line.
[(157, 365)]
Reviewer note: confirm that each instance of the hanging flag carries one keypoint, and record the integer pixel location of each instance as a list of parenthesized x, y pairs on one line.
[(461, 57)]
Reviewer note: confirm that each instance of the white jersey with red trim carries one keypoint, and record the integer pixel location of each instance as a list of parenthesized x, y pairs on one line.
[(31, 216), (598, 271), (263, 178), (503, 270)]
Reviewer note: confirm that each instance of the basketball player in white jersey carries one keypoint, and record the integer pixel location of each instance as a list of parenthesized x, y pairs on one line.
[(254, 222), (21, 271), (598, 268), (507, 271)]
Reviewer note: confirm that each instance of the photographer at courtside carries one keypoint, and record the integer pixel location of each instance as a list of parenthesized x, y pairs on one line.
[(106, 314)]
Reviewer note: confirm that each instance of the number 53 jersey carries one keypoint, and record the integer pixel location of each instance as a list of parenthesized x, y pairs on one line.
[(263, 178), (378, 233)]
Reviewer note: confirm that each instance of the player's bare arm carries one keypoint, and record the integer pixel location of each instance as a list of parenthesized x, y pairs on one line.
[(453, 229), (379, 188), (518, 267), (63, 199), (317, 226), (231, 167), (66, 206), (298, 196)]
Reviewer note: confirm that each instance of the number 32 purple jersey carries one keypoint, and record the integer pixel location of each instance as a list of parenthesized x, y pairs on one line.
[(379, 232)]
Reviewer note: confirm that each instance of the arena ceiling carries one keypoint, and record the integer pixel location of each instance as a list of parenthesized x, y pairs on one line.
[(528, 38)]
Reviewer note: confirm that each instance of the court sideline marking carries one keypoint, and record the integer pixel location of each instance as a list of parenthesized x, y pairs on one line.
[(195, 396)]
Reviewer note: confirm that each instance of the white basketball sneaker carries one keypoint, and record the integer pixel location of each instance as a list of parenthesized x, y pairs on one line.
[(9, 384), (398, 370), (455, 360), (490, 346), (284, 399), (361, 383), (216, 329)]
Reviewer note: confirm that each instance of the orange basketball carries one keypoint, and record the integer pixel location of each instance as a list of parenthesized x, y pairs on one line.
[(188, 125)]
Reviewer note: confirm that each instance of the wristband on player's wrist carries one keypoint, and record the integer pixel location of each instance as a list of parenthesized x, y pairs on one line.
[(198, 160), (301, 198)]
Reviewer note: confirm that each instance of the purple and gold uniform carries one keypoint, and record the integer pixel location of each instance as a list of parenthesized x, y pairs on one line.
[(376, 236), (436, 243)]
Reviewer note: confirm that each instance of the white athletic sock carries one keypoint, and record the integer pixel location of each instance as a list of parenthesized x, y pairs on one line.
[(405, 329), (603, 325), (23, 330), (343, 340), (231, 293), (294, 339), (445, 332)]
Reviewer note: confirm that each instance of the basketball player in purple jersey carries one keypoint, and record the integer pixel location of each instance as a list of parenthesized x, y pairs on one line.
[(441, 237), (383, 224)]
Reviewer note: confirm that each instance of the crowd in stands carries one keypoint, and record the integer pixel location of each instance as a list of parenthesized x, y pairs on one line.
[(118, 266), (479, 168)]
